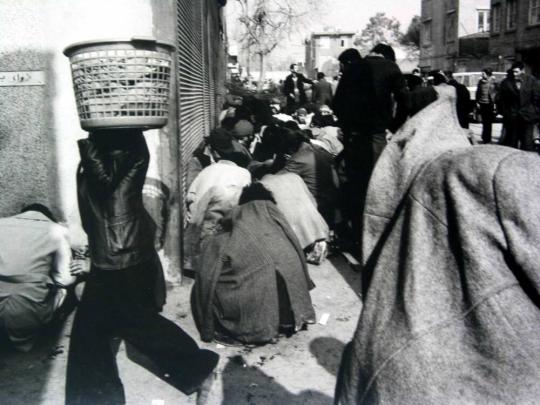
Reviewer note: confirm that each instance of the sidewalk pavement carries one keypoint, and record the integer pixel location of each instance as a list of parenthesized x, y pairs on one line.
[(297, 370)]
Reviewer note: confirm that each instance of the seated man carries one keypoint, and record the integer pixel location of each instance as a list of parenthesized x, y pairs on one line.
[(34, 272), (220, 142), (252, 281), (213, 193), (450, 253)]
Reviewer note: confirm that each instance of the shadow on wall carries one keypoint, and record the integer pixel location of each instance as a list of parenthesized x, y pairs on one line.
[(28, 154)]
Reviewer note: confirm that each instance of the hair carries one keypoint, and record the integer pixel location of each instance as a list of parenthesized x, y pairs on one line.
[(385, 50), (255, 192), (449, 74), (415, 70), (293, 125), (291, 140), (438, 77), (350, 56), (292, 66), (488, 71), (320, 75), (241, 159), (228, 123), (40, 208), (518, 65), (322, 121)]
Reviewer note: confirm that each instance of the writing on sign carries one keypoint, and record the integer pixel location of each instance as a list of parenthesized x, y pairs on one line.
[(23, 78)]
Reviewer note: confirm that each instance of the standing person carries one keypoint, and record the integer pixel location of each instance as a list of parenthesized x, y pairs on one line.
[(322, 91), (486, 93), (120, 296), (293, 89), (463, 100), (370, 102), (519, 103), (35, 270)]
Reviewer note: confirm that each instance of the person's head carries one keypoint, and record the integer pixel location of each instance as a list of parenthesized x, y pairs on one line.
[(320, 121), (36, 207), (320, 75), (518, 68), (438, 77), (301, 112), (325, 110), (385, 50), (290, 141), (294, 68), (228, 123), (293, 125), (416, 72), (486, 73), (243, 130), (221, 141), (239, 158), (349, 57)]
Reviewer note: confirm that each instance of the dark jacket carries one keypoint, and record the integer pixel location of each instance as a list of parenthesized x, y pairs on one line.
[(322, 92), (524, 101), (364, 100), (109, 184), (491, 89), (288, 87), (463, 103)]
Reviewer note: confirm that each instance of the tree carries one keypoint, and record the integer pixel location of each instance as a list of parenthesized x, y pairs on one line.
[(380, 28), (412, 35), (411, 39), (266, 23)]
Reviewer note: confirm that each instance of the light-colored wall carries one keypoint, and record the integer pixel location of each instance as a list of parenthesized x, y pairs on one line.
[(39, 126), (468, 15)]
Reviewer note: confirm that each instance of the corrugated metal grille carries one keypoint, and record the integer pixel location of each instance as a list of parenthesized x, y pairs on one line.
[(191, 80), (200, 71)]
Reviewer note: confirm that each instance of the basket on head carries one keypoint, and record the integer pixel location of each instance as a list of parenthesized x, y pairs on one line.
[(121, 83)]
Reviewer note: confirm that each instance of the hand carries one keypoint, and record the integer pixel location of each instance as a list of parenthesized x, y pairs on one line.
[(79, 267)]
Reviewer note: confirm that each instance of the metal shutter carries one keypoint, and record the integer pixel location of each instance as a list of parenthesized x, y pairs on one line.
[(193, 125)]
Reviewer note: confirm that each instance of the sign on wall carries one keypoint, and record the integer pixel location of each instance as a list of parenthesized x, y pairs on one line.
[(22, 78)]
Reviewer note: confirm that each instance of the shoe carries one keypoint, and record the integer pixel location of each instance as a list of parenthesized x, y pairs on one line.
[(204, 390), (226, 340)]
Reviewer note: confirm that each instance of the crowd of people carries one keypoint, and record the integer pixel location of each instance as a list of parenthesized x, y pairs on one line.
[(446, 234)]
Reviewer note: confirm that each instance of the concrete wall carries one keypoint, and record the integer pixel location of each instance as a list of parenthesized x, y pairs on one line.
[(39, 126)]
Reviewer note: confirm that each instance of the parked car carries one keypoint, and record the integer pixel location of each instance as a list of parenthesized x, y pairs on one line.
[(470, 80)]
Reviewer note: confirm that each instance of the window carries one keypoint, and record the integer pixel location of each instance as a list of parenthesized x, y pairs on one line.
[(496, 18), (450, 28), (511, 14), (483, 20), (534, 12), (427, 32), (324, 42)]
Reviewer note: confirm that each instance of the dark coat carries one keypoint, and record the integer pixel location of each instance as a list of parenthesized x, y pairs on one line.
[(288, 88), (451, 244), (236, 278), (109, 184), (322, 92), (524, 101), (463, 103)]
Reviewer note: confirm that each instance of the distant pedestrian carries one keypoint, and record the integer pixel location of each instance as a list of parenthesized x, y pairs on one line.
[(322, 91), (486, 93), (519, 103), (293, 89)]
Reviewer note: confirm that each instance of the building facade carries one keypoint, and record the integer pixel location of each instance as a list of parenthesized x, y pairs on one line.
[(323, 49), (515, 32), (455, 35), (39, 126)]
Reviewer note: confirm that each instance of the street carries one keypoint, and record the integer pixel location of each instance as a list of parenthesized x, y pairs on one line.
[(297, 370)]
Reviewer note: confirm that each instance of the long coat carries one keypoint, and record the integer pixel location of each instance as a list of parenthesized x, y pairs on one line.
[(451, 247), (236, 278)]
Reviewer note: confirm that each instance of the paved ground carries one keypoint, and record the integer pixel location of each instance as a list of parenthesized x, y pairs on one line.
[(296, 370)]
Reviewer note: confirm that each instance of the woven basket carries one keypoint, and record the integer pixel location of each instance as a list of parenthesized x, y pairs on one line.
[(121, 83)]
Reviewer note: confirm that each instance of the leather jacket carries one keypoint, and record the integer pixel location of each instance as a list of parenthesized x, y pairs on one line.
[(109, 187)]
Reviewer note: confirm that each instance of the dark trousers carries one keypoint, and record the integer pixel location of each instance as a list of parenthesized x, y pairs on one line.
[(119, 303), (488, 116), (361, 152), (518, 133)]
